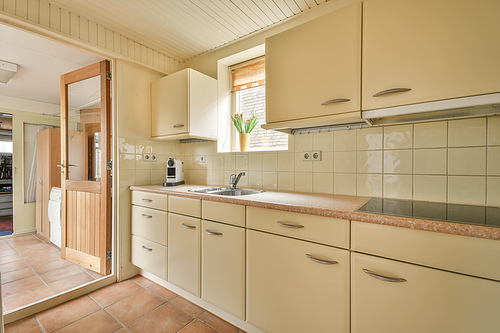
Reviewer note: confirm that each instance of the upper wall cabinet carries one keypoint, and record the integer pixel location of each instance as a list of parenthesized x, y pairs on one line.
[(184, 105), (313, 71), (439, 49)]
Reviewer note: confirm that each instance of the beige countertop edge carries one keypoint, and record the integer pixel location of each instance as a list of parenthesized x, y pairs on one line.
[(336, 206)]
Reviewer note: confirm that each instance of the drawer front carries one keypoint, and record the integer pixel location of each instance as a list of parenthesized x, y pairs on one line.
[(223, 212), (468, 255), (150, 224), (314, 228), (184, 206), (151, 200), (150, 256)]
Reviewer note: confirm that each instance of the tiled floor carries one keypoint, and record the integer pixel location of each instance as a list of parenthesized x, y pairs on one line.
[(135, 305), (32, 269)]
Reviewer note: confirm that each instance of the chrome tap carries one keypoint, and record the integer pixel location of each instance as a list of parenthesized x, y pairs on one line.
[(234, 179)]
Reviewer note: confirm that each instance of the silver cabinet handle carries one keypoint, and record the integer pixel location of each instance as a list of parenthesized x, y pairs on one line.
[(290, 225), (147, 248), (147, 216), (383, 277), (213, 233), (178, 125), (187, 226), (147, 200), (391, 91), (322, 261), (73, 165), (337, 100)]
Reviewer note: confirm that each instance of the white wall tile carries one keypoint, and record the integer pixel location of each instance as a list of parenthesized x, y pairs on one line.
[(493, 130), (303, 181), (398, 137), (344, 183), (469, 190), (493, 191), (398, 186), (303, 142), (255, 161), (229, 161), (323, 141), (241, 162), (431, 135), (326, 163), (323, 182), (126, 145), (467, 132), (371, 138), (430, 188), (286, 161), (467, 161), (127, 161), (270, 180), (302, 166), (270, 161), (369, 185), (255, 179), (344, 162), (286, 181), (398, 161), (369, 161), (430, 162), (493, 156), (344, 140)]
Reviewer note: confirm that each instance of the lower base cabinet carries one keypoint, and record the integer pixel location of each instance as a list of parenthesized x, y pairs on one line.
[(287, 291), (150, 256), (223, 267), (391, 296)]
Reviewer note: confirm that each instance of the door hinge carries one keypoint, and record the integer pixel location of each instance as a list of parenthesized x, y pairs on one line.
[(108, 255), (109, 165), (108, 75)]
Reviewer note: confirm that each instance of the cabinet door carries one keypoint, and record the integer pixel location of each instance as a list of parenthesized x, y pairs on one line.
[(184, 252), (149, 256), (169, 104), (313, 63), (429, 300), (223, 267), (288, 292), (438, 49)]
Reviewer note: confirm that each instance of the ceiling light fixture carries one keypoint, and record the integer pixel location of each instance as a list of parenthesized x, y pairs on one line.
[(7, 71)]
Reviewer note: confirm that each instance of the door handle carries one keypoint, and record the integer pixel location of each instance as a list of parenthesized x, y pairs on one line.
[(60, 165), (40, 181)]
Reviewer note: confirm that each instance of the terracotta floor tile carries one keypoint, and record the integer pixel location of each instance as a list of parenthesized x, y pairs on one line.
[(143, 281), (60, 273), (162, 292), (185, 305), (25, 243), (43, 258), (47, 266), (10, 258), (115, 292), (7, 252), (42, 238), (24, 326), (12, 266), (217, 324), (70, 282), (17, 275), (14, 287), (165, 319), (95, 275), (34, 250), (66, 313), (99, 322), (19, 239), (26, 297), (135, 306), (197, 327), (123, 330)]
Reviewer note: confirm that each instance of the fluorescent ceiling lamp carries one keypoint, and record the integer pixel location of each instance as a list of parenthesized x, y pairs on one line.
[(7, 70)]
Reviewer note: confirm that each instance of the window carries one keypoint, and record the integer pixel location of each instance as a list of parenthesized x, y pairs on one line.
[(249, 99)]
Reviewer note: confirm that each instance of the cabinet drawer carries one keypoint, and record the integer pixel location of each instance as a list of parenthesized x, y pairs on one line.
[(468, 255), (430, 300), (150, 224), (184, 206), (150, 256), (319, 229), (151, 200), (223, 212)]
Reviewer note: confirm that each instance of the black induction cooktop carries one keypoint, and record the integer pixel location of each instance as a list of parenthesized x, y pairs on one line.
[(481, 215)]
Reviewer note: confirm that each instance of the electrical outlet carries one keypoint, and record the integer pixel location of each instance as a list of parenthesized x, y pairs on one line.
[(200, 159), (306, 156), (153, 157), (146, 157), (316, 155)]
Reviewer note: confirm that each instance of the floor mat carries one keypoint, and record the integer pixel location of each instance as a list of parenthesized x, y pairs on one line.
[(5, 233), (6, 226)]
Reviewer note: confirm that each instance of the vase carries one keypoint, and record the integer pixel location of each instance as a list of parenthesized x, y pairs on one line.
[(244, 140)]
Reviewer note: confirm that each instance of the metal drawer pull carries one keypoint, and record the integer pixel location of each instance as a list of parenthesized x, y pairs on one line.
[(178, 125), (290, 225), (322, 261), (187, 226), (213, 233), (391, 91), (337, 100), (147, 248), (147, 200), (382, 277), (147, 216)]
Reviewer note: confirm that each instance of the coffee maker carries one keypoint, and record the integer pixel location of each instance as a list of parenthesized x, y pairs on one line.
[(174, 172)]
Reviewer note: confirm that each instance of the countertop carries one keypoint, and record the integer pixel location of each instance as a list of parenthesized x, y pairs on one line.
[(336, 206)]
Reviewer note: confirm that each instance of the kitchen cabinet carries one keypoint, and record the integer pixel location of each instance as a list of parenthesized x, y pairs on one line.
[(391, 296), (184, 105), (438, 49), (313, 71), (295, 285)]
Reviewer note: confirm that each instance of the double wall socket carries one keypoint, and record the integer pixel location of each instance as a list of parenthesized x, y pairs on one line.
[(200, 159), (149, 157), (314, 155)]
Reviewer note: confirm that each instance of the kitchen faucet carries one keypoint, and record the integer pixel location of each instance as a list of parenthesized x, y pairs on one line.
[(233, 180)]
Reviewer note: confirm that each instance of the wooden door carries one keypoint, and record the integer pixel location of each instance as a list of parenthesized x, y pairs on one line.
[(86, 196)]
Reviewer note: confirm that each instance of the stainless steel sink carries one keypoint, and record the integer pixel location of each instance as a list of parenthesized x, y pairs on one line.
[(227, 191)]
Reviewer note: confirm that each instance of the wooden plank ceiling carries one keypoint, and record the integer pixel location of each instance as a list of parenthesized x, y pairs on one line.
[(184, 29)]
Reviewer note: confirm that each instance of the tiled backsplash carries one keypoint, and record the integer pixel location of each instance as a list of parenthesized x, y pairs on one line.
[(446, 161)]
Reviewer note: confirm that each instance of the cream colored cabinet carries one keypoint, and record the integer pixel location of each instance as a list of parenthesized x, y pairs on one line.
[(223, 267), (184, 252), (313, 71), (150, 256), (391, 296), (184, 105), (438, 49), (295, 285)]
